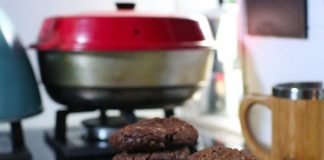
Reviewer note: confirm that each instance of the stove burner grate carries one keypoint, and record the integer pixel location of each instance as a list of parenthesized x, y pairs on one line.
[(91, 142)]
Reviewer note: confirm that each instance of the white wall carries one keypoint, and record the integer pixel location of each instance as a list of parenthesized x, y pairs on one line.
[(273, 60), (27, 16)]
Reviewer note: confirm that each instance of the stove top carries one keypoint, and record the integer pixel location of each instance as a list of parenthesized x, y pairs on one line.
[(40, 150), (88, 141), (35, 140), (76, 147)]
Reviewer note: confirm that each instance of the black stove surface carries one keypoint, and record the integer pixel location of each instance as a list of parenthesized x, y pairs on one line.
[(77, 147), (71, 143), (40, 150), (37, 141)]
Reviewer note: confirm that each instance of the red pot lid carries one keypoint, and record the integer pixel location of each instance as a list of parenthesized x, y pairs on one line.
[(124, 30)]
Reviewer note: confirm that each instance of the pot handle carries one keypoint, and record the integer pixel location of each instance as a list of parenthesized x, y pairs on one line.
[(125, 6), (247, 103)]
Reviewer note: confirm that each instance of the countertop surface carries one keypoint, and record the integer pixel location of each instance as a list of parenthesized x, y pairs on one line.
[(35, 141)]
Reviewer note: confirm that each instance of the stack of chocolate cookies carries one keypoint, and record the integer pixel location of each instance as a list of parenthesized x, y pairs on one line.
[(155, 139), (221, 153)]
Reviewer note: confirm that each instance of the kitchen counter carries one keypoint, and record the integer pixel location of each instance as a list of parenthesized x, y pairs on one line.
[(36, 144)]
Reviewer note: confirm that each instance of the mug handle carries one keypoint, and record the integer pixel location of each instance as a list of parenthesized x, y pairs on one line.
[(246, 105)]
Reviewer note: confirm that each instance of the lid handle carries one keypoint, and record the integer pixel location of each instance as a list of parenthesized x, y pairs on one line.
[(125, 5)]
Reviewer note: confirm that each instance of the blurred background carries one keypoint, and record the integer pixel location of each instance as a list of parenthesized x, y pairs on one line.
[(254, 52)]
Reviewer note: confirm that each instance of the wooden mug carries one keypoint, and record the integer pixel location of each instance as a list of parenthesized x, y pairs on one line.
[(297, 122)]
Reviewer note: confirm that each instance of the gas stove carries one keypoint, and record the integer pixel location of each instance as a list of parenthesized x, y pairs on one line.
[(89, 142), (63, 142)]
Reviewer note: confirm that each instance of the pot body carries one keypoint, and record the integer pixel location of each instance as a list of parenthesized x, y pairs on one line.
[(19, 94), (141, 79)]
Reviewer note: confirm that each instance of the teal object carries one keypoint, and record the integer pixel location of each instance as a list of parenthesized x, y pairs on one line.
[(19, 94)]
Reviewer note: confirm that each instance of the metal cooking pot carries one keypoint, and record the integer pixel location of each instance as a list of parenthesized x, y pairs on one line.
[(19, 95), (124, 60)]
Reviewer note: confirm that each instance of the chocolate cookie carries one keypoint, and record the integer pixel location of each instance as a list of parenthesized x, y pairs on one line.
[(154, 134), (179, 154), (221, 153)]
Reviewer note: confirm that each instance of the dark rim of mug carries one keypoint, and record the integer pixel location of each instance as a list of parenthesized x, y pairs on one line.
[(299, 90)]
